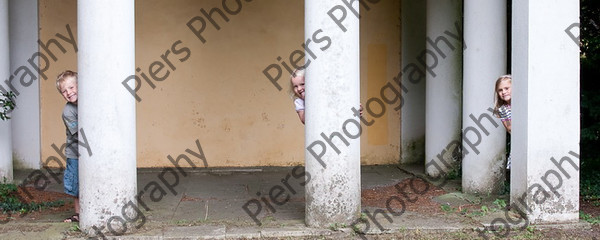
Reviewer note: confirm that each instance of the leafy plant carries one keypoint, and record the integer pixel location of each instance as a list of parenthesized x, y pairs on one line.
[(590, 87), (75, 228), (499, 203), (447, 208), (589, 185), (484, 209), (7, 104)]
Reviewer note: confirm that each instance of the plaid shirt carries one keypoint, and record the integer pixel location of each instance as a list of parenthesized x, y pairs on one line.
[(504, 112)]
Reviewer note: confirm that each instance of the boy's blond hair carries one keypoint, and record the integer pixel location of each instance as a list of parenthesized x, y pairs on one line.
[(64, 75)]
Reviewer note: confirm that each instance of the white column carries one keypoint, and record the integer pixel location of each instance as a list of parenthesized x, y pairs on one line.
[(332, 90), (106, 35), (484, 61), (26, 117), (6, 166), (413, 110), (443, 85), (545, 111)]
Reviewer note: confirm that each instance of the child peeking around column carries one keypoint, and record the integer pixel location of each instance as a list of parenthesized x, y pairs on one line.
[(502, 108), (297, 91), (66, 83)]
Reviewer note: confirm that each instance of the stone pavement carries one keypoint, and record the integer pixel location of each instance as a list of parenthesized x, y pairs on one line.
[(209, 204)]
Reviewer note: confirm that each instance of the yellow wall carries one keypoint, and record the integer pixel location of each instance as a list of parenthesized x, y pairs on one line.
[(380, 63), (218, 94)]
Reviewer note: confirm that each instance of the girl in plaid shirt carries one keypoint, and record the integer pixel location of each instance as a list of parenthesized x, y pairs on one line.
[(502, 104)]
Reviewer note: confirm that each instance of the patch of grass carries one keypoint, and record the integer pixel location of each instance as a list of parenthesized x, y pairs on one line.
[(9, 202), (268, 219), (182, 222), (588, 218)]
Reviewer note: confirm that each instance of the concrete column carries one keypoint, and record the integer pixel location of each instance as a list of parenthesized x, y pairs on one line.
[(443, 85), (413, 110), (484, 60), (6, 164), (545, 111), (332, 130), (23, 16), (106, 34)]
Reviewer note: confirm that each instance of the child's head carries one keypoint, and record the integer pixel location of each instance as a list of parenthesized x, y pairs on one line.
[(503, 90), (297, 83), (66, 83)]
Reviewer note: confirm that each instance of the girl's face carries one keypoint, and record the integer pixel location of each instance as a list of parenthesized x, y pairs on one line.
[(504, 90), (298, 86)]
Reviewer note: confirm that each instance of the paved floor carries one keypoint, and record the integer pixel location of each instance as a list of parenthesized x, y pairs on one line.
[(209, 203)]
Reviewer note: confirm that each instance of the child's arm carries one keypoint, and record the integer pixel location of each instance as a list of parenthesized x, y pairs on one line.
[(507, 125), (299, 104), (301, 115)]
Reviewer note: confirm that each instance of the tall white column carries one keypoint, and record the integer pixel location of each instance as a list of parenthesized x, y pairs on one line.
[(545, 111), (413, 110), (332, 90), (443, 85), (24, 30), (106, 35), (6, 166), (484, 137)]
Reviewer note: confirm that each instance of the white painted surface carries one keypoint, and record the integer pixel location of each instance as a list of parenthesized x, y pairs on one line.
[(545, 109), (413, 110), (26, 117), (443, 86), (6, 165), (484, 61), (106, 111), (332, 90)]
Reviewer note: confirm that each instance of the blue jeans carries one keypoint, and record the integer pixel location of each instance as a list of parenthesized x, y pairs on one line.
[(71, 177)]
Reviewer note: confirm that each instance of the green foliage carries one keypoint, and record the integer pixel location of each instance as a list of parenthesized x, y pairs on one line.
[(454, 173), (588, 218), (590, 86), (499, 204), (7, 104), (337, 226), (9, 202), (447, 208), (484, 209), (75, 228), (589, 186)]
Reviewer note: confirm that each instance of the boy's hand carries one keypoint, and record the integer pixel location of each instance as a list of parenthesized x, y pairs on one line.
[(361, 109)]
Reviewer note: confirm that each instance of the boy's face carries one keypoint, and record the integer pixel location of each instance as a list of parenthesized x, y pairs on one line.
[(68, 89)]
